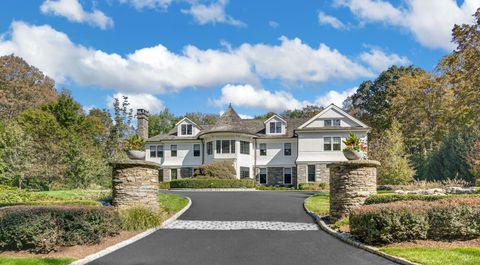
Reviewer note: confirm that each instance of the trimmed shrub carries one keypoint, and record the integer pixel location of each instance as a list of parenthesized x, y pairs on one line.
[(12, 195), (313, 186), (447, 219), (386, 198), (208, 183), (164, 185), (43, 228), (270, 187), (218, 169), (48, 203), (140, 218)]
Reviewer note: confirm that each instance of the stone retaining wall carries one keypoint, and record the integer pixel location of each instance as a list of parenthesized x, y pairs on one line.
[(135, 183), (351, 182)]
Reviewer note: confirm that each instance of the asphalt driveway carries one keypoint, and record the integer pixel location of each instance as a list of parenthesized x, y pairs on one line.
[(187, 246)]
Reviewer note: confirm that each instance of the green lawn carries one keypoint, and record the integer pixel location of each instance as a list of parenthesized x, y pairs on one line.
[(318, 203), (172, 203), (437, 256), (78, 194), (33, 261)]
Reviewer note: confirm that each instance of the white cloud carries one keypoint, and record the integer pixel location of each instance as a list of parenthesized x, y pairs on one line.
[(379, 61), (249, 97), (73, 11), (213, 13), (141, 4), (431, 22), (334, 22), (293, 60), (158, 70), (138, 101), (334, 97), (273, 24)]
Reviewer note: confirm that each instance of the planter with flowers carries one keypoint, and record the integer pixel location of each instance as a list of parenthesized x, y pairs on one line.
[(355, 149), (135, 147)]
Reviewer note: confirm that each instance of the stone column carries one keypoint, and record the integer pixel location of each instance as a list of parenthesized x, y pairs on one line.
[(135, 183), (351, 182)]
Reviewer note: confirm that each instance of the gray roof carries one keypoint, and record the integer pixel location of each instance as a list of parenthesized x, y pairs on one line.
[(232, 123)]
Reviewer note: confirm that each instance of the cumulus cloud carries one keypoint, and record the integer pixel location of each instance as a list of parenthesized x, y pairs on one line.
[(141, 4), (212, 14), (379, 61), (430, 22), (138, 101), (332, 21), (158, 70), (250, 97), (294, 60), (73, 11), (334, 97)]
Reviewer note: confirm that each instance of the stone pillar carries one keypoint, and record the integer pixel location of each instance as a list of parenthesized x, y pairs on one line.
[(351, 182), (142, 119), (135, 183)]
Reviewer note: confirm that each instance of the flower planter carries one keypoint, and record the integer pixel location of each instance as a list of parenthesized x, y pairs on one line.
[(353, 155), (136, 154)]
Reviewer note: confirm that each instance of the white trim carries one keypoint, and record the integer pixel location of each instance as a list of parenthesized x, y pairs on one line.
[(333, 106), (275, 116), (283, 149), (185, 119), (314, 173)]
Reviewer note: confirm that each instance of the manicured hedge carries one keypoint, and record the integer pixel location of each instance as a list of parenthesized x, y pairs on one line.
[(43, 228), (447, 219), (386, 198), (207, 183), (313, 186)]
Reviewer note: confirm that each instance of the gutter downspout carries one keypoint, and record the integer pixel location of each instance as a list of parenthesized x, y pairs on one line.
[(255, 159), (296, 159)]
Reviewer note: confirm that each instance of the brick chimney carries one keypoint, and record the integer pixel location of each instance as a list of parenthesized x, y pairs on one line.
[(142, 119)]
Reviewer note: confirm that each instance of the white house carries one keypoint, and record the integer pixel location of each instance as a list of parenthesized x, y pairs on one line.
[(275, 151)]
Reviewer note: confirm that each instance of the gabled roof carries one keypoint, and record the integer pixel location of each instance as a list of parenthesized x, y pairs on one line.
[(186, 119), (275, 116), (336, 108)]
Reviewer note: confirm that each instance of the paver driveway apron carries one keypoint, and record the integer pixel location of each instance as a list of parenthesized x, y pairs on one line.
[(242, 228)]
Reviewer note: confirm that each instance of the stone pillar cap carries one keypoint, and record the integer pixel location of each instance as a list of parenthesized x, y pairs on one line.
[(134, 163), (355, 163)]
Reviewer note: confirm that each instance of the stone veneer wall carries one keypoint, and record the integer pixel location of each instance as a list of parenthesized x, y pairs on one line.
[(135, 183), (275, 176), (351, 182), (322, 173)]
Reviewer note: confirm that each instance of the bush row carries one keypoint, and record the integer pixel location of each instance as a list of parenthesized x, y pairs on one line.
[(313, 186), (447, 219), (386, 198), (42, 229), (12, 195), (206, 183)]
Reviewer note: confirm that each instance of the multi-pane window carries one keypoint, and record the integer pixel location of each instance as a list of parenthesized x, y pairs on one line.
[(244, 172), (287, 149), (327, 143), (263, 149), (275, 127), (153, 151), (209, 148), (160, 175), (196, 150), (336, 122), (337, 144), (187, 129), (173, 150), (159, 150), (186, 172), (311, 173), (327, 123), (287, 175), (262, 176), (173, 173), (244, 147), (225, 146)]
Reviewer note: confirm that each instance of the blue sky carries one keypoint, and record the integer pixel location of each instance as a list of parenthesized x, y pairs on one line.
[(194, 55)]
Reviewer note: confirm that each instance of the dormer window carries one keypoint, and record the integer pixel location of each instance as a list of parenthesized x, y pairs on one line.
[(275, 127), (187, 129), (330, 123)]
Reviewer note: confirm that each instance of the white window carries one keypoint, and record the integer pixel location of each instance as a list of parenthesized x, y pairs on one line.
[(263, 149), (287, 175), (173, 150), (153, 151), (262, 176), (327, 143), (244, 172), (196, 150), (159, 150), (327, 123), (337, 144), (187, 129), (209, 148), (336, 122), (244, 147), (287, 149), (311, 173), (225, 146), (275, 127)]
